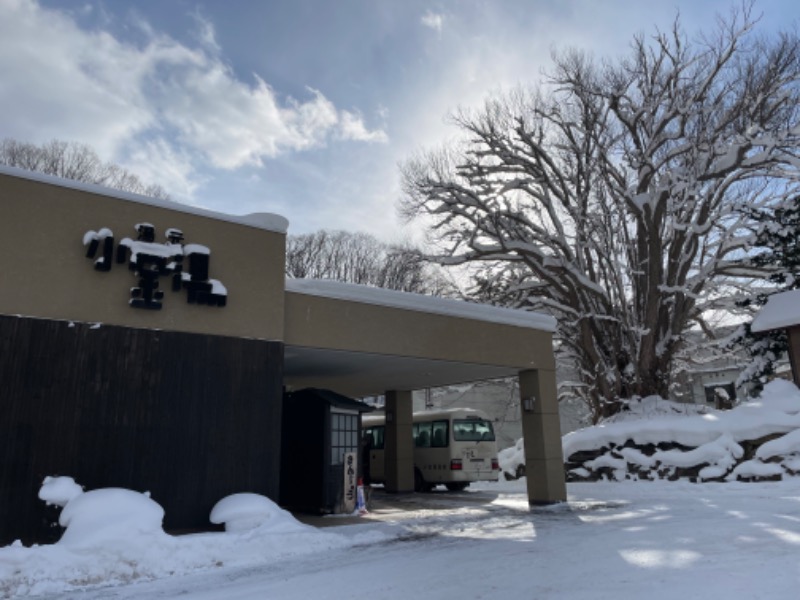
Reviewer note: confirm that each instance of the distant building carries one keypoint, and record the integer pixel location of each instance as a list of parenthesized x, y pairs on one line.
[(710, 379)]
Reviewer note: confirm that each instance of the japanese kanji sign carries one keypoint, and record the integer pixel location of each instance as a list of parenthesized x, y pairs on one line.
[(186, 264)]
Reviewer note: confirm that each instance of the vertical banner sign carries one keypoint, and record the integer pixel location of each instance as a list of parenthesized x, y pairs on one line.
[(350, 482)]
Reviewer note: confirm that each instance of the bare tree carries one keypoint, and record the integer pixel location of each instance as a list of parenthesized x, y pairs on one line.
[(74, 161), (361, 258), (608, 196)]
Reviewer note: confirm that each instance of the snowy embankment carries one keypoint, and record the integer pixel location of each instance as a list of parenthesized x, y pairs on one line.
[(657, 439), (114, 536)]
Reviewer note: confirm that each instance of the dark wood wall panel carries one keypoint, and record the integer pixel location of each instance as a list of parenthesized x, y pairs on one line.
[(190, 418)]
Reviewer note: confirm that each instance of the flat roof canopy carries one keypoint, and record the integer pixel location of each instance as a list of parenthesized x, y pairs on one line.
[(363, 341), (361, 374)]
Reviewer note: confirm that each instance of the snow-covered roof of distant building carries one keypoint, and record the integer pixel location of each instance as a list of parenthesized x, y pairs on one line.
[(782, 310), (337, 290), (268, 221)]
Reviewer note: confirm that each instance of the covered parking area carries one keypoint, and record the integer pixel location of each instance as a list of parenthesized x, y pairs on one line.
[(361, 341)]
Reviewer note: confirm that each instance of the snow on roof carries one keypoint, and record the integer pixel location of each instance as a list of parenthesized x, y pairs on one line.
[(782, 310), (458, 413), (337, 290), (267, 221)]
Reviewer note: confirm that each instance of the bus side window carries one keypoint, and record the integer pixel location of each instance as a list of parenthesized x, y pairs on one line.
[(464, 431), (423, 437), (439, 434), (375, 435)]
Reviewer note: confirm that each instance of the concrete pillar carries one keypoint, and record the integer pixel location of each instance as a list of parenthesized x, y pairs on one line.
[(399, 448), (541, 429)]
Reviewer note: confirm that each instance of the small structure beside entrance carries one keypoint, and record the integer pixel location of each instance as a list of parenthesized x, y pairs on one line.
[(320, 451)]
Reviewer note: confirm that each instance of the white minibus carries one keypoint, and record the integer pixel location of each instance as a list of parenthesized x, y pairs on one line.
[(452, 447)]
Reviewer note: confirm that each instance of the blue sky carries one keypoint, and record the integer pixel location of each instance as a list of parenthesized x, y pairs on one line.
[(299, 107)]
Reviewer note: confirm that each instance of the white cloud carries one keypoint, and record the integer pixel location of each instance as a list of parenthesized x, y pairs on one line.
[(58, 80), (433, 20), (351, 127), (55, 78), (173, 168), (205, 32)]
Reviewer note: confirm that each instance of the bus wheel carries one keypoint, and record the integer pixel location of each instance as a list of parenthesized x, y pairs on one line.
[(457, 487), (420, 485)]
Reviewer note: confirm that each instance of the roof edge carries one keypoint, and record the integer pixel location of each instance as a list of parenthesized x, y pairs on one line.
[(781, 311), (267, 221), (337, 290)]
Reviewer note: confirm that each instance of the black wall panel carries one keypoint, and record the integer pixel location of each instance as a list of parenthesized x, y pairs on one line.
[(189, 418)]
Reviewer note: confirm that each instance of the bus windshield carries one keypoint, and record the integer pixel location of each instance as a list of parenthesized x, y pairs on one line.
[(472, 430)]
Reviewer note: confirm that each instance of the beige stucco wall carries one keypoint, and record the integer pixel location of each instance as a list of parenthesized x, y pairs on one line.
[(316, 322), (44, 271)]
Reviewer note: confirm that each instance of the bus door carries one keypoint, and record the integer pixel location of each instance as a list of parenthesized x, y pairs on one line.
[(374, 439)]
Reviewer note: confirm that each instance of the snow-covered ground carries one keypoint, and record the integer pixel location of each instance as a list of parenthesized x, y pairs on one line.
[(620, 540), (655, 540)]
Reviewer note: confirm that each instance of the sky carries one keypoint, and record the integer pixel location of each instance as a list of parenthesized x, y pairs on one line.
[(305, 108), (611, 540)]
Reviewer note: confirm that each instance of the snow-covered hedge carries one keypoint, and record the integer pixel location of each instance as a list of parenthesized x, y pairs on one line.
[(659, 439)]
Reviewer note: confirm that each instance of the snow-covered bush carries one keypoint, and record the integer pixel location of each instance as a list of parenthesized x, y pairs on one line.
[(57, 491), (512, 460), (247, 511), (111, 514), (658, 439)]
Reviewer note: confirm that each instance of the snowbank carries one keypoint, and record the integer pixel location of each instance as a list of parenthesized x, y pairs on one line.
[(777, 411), (114, 536), (661, 439)]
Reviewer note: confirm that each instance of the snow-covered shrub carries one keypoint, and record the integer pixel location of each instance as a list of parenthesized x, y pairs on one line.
[(246, 511), (658, 439), (512, 460), (110, 514), (100, 516), (57, 491)]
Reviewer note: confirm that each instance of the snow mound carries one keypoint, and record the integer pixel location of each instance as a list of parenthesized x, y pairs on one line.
[(58, 491), (651, 407), (789, 444), (247, 511), (114, 536), (512, 460), (780, 395), (110, 514)]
